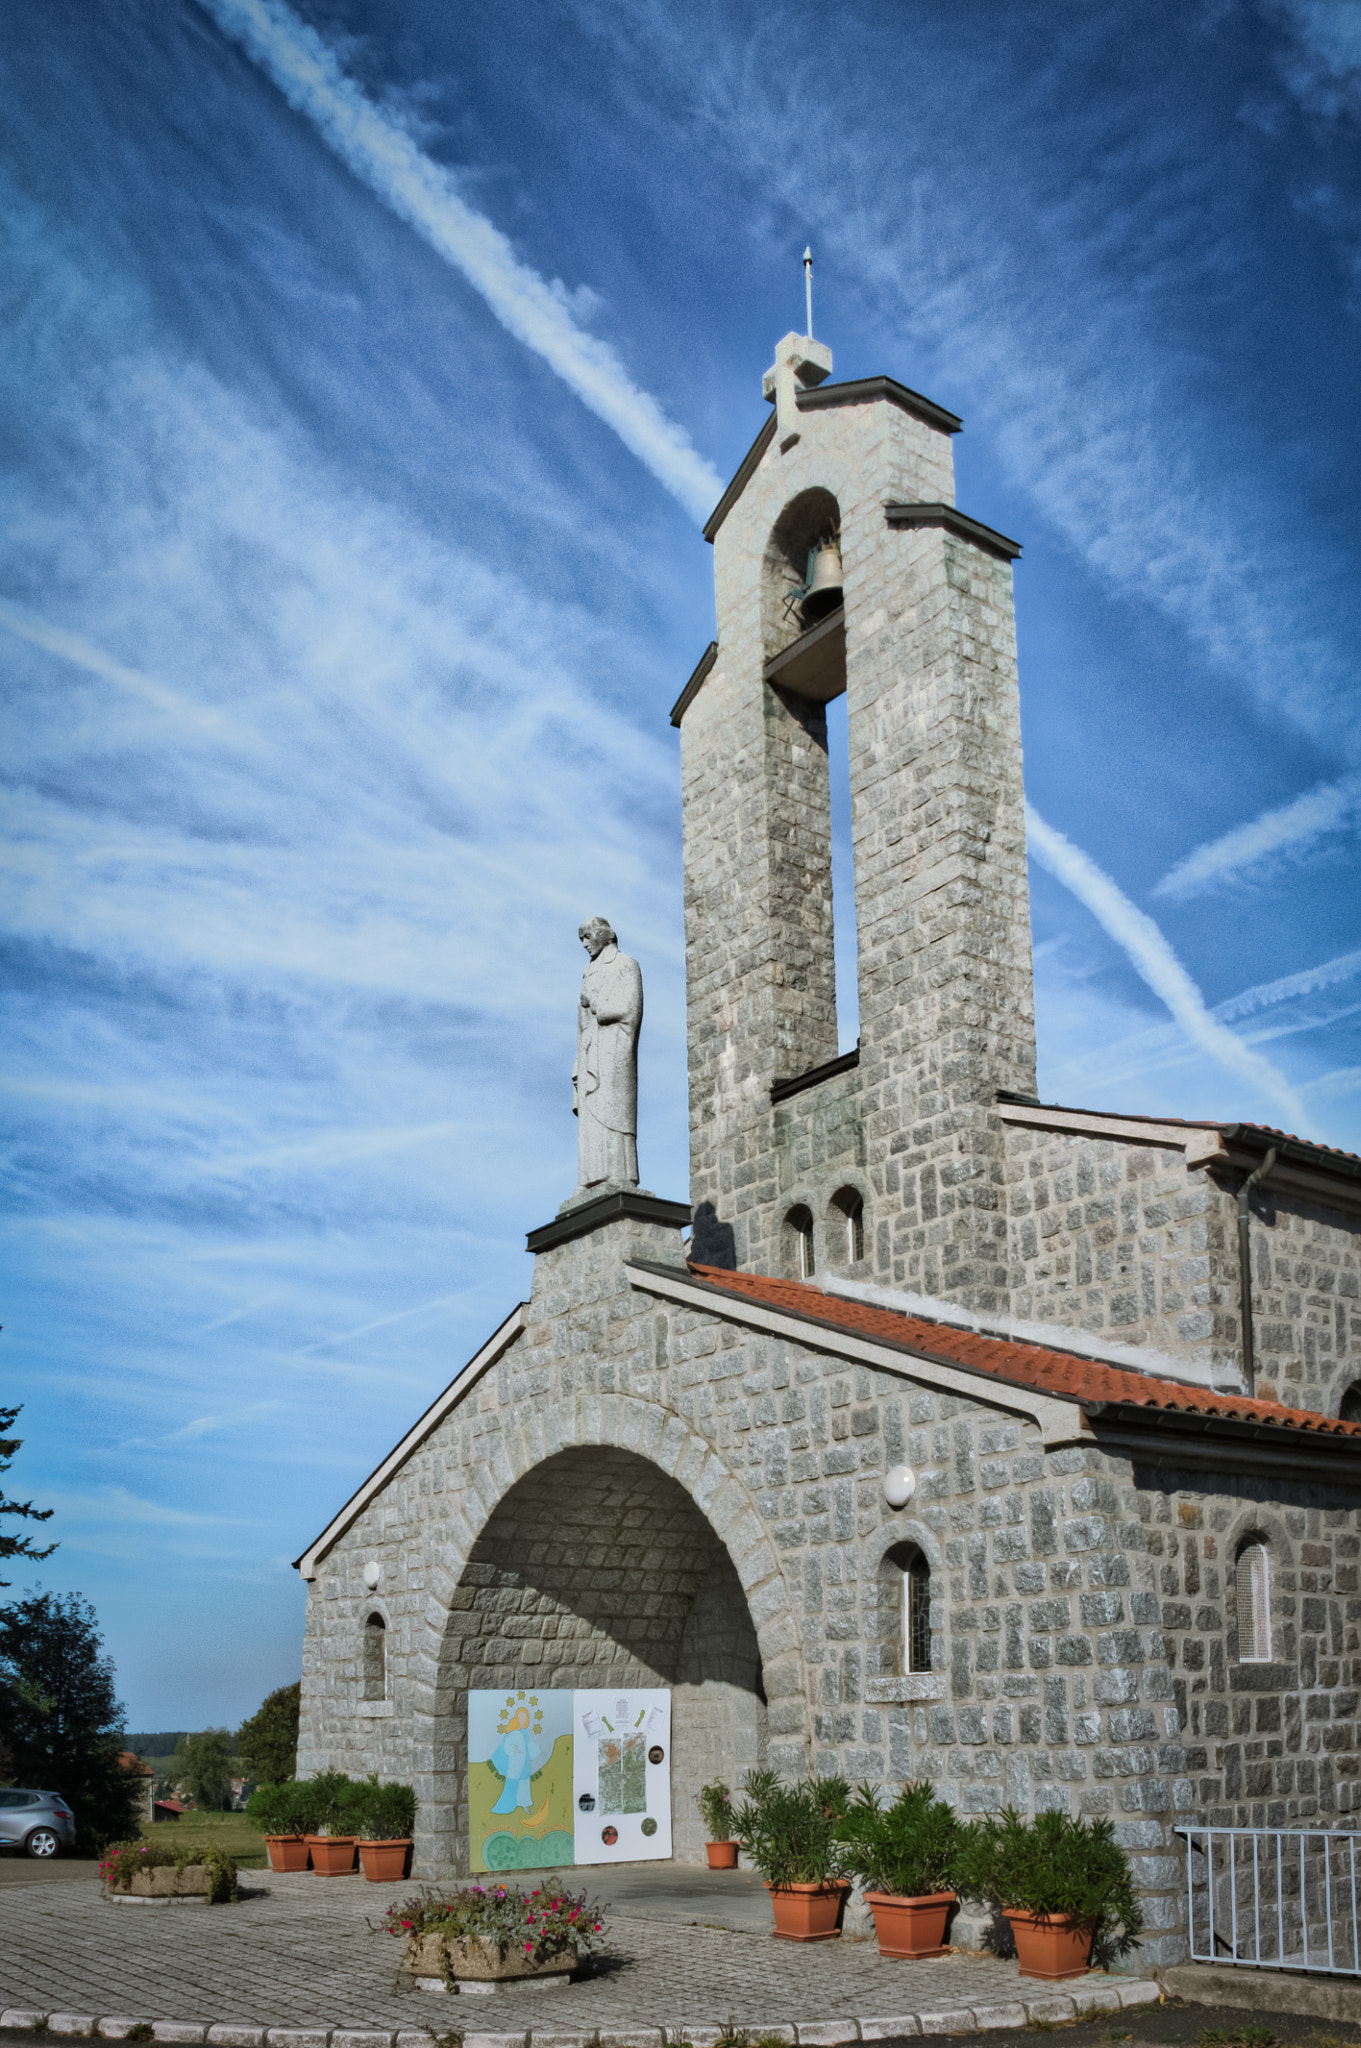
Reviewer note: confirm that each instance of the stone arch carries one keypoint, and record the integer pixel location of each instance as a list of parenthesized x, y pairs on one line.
[(847, 1225), (1256, 1524), (805, 520), (687, 1592), (882, 1556)]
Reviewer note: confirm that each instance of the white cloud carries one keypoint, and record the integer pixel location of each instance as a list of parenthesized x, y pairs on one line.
[(539, 314), (1156, 963), (1293, 827)]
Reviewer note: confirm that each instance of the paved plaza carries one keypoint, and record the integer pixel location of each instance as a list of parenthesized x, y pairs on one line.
[(298, 1956)]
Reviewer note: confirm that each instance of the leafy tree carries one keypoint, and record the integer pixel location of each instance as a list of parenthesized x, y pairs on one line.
[(18, 1546), (202, 1767), (267, 1744), (63, 1726)]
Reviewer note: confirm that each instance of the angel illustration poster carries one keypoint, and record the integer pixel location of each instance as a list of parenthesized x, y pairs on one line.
[(561, 1777), (520, 1778)]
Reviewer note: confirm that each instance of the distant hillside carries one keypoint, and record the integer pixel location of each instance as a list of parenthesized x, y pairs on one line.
[(164, 1744)]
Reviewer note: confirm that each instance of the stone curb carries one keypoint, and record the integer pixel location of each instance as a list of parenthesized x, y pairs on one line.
[(1107, 1996)]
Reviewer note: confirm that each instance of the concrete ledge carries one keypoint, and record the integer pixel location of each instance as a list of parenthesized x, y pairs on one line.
[(1096, 1994), (1324, 1998)]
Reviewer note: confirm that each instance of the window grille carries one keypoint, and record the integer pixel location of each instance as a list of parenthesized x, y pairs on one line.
[(1254, 1605), (375, 1658), (917, 1615)]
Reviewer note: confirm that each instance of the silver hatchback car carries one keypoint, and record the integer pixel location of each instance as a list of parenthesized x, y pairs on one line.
[(38, 1822)]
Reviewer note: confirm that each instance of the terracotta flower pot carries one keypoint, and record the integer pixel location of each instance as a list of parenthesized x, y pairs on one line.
[(332, 1855), (384, 1862), (911, 1927), (286, 1852), (808, 1912), (1050, 1949), (721, 1855)]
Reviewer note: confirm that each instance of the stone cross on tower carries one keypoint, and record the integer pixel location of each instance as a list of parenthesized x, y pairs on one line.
[(799, 362)]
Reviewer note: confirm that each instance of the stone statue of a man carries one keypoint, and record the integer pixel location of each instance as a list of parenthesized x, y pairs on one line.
[(605, 1077)]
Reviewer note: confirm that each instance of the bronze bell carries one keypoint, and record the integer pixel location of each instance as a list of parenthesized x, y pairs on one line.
[(823, 590)]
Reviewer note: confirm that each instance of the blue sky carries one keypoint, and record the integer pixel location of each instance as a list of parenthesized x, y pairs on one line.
[(369, 371)]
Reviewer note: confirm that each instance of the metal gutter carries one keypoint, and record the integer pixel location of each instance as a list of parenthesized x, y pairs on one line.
[(695, 684)]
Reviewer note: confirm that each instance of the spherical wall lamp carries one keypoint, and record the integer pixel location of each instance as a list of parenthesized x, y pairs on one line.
[(373, 1572), (900, 1483)]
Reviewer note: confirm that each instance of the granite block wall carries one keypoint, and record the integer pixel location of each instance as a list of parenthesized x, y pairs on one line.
[(647, 1488)]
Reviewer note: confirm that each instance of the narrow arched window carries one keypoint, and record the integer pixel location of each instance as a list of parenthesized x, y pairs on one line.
[(1350, 1408), (916, 1613), (848, 1218), (375, 1658), (1252, 1586), (799, 1223)]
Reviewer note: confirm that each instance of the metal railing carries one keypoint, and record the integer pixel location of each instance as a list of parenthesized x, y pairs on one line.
[(1274, 1898)]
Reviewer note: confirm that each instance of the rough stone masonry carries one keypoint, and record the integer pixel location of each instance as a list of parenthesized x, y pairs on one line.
[(668, 1466)]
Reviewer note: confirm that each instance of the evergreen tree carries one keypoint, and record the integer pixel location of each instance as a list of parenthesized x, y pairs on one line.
[(62, 1724), (202, 1767), (11, 1545), (267, 1744)]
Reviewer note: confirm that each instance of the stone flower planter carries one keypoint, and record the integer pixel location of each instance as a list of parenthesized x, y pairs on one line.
[(384, 1862), (721, 1855), (164, 1884), (479, 1962), (286, 1852), (910, 1928), (1050, 1949), (332, 1855), (808, 1912)]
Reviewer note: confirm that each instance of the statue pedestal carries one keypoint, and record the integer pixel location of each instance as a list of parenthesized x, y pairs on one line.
[(587, 1209)]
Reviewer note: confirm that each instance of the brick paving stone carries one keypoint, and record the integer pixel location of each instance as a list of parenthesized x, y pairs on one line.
[(296, 1963)]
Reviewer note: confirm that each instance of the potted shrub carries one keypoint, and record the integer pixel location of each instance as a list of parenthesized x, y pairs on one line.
[(274, 1809), (325, 1808), (387, 1820), (1063, 1885), (904, 1856), (492, 1933), (790, 1833), (715, 1803)]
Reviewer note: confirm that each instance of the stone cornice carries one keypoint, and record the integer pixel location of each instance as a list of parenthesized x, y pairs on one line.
[(956, 522), (589, 1216)]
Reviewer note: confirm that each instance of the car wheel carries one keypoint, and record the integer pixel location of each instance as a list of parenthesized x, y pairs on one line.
[(42, 1842)]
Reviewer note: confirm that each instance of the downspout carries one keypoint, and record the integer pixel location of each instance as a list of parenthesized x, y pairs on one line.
[(1245, 1267)]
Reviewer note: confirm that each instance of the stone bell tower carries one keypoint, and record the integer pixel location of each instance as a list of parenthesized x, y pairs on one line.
[(884, 1163)]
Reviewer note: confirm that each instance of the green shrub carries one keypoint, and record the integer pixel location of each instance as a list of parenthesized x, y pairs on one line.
[(120, 1863), (276, 1809), (1066, 1869), (908, 1848), (385, 1813), (715, 1803), (790, 1832)]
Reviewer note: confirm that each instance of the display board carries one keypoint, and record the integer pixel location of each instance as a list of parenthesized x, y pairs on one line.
[(621, 1775), (568, 1777)]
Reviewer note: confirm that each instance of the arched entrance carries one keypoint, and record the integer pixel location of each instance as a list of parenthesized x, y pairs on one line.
[(595, 1569)]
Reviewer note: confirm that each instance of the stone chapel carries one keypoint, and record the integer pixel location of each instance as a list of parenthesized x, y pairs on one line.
[(966, 1436)]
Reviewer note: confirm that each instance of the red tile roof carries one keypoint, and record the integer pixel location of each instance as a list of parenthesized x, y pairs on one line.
[(1073, 1378)]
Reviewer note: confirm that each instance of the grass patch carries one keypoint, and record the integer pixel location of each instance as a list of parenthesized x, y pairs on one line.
[(1236, 2037), (231, 1830)]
